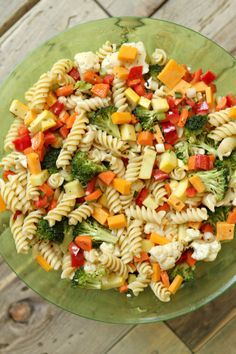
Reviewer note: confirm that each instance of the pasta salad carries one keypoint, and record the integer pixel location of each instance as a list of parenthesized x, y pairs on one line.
[(120, 170)]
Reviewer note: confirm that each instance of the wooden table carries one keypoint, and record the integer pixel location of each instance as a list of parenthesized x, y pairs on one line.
[(45, 329)]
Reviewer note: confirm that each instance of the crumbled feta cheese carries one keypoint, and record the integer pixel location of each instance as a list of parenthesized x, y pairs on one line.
[(209, 200), (166, 255), (205, 251), (87, 61), (91, 256)]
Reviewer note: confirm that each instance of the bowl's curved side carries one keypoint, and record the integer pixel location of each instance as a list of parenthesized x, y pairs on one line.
[(182, 44)]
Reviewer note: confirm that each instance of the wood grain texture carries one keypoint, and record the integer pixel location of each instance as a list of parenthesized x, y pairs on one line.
[(41, 23), (192, 328), (223, 342), (12, 11), (150, 339), (215, 19), (131, 7)]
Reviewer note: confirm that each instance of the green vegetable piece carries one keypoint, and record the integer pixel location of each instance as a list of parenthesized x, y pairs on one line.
[(183, 269), (49, 161), (102, 120), (148, 118), (82, 86), (220, 214), (46, 233), (154, 70), (88, 280)]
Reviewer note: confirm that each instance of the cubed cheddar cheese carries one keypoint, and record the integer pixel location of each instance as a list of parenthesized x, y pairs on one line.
[(51, 99), (127, 53), (121, 72), (197, 183), (176, 283), (132, 96), (34, 165), (224, 231), (200, 86), (2, 205), (158, 239), (19, 109), (172, 73), (209, 96), (175, 202), (121, 117), (117, 221), (181, 87), (122, 186), (195, 225), (100, 215), (232, 113)]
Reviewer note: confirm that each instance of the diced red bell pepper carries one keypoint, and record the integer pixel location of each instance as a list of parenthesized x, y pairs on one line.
[(64, 131), (73, 248), (170, 133), (208, 77), (141, 197), (191, 192), (57, 108), (164, 207), (173, 118), (22, 130), (22, 143), (139, 89), (91, 186), (49, 138), (190, 102), (77, 255), (182, 258), (171, 102), (75, 74), (80, 200), (6, 174), (135, 73), (202, 107), (41, 203), (189, 260), (196, 76), (148, 95), (108, 79), (207, 228), (159, 175), (17, 213), (202, 162), (125, 160), (230, 101)]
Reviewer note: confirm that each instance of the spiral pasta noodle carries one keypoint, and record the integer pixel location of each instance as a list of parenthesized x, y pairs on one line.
[(59, 72), (29, 227), (159, 57), (9, 197), (114, 264), (178, 173), (171, 232), (32, 192), (160, 92), (219, 118), (159, 192), (69, 101), (63, 208), (145, 214), (139, 284), (113, 200), (226, 147), (104, 50), (126, 255), (118, 91), (107, 141), (80, 213), (133, 168), (21, 242), (117, 166), (92, 104), (190, 214), (29, 95), (134, 232), (51, 253), (55, 180), (68, 271), (161, 292), (224, 131), (12, 135), (11, 161), (87, 140), (42, 88), (97, 155), (126, 200)]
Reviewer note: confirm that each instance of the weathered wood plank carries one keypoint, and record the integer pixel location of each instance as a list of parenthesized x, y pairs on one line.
[(41, 23), (12, 11), (225, 341), (131, 7), (150, 339), (215, 19), (192, 328), (44, 327)]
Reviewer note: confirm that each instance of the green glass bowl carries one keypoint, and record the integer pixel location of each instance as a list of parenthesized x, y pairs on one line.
[(182, 44)]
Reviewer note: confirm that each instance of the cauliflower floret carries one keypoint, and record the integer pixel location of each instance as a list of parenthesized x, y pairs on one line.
[(89, 267), (87, 61), (188, 235), (205, 251), (209, 200), (208, 236), (166, 255), (109, 62), (149, 228), (107, 248), (91, 256), (141, 57)]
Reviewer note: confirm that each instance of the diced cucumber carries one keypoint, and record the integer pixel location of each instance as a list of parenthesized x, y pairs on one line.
[(149, 158), (112, 281), (168, 161), (39, 179), (74, 188)]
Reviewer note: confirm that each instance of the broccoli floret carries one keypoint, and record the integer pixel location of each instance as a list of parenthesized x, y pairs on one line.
[(84, 169), (148, 118), (228, 162), (154, 70), (92, 228), (46, 233), (194, 127), (220, 214), (215, 181), (184, 270), (88, 280), (182, 150), (102, 120), (49, 161)]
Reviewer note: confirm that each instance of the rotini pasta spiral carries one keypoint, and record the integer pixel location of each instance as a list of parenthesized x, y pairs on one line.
[(9, 197), (104, 50), (41, 92), (12, 160), (145, 214), (12, 135), (51, 253), (219, 118), (68, 271), (55, 180), (159, 57), (195, 201), (80, 213), (126, 200), (118, 91), (226, 147), (113, 200), (134, 232), (30, 223), (126, 255), (87, 140), (158, 191), (171, 232), (224, 131), (133, 168), (92, 104), (139, 284), (32, 192), (107, 141), (63, 208), (161, 292), (190, 214), (178, 173), (117, 166), (144, 269), (22, 245), (97, 155), (114, 264), (69, 101), (29, 95), (59, 72)]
